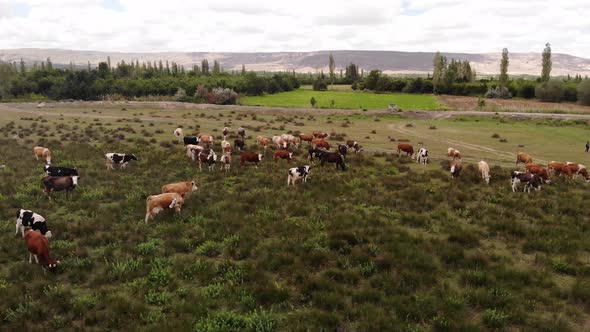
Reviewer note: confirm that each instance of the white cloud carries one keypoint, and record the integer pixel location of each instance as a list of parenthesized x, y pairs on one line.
[(305, 25)]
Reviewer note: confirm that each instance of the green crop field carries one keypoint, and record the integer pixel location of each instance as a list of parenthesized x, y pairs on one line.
[(385, 245), (343, 99)]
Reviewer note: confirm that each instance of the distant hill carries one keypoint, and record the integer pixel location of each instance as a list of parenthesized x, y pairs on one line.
[(387, 61)]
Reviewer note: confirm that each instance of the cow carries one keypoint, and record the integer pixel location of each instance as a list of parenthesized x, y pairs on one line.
[(41, 152), (118, 158), (251, 158), (454, 154), (529, 180), (282, 154), (296, 173), (262, 141), (280, 143), (242, 132), (38, 246), (59, 183), (314, 153), (524, 158), (320, 143), (225, 146), (225, 133), (484, 170), (156, 203), (556, 167), (342, 149), (354, 145), (60, 171), (538, 170), (225, 162), (333, 157), (422, 156), (239, 144), (179, 134), (306, 137), (193, 150), (456, 167), (407, 148), (191, 140), (291, 139), (29, 219), (319, 134), (577, 169), (208, 157), (182, 188), (206, 139)]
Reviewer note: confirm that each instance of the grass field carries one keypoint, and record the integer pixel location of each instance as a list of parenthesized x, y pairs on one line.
[(386, 245), (343, 99)]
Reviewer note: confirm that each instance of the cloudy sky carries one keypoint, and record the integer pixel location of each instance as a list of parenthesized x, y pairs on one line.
[(303, 25)]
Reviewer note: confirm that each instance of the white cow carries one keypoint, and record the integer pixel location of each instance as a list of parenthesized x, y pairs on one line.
[(422, 156), (484, 170), (179, 134)]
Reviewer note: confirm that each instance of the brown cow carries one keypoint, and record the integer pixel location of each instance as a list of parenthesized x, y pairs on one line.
[(320, 143), (182, 188), (354, 145), (306, 138), (157, 203), (538, 170), (524, 158), (319, 134), (225, 133), (262, 141), (225, 161), (454, 154), (282, 154), (556, 167), (577, 169), (41, 152), (407, 148), (38, 246), (59, 183), (206, 139), (251, 158), (456, 167)]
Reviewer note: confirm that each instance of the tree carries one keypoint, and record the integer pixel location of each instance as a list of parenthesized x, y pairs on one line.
[(312, 101), (351, 73), (332, 67), (22, 66), (205, 67), (547, 63), (584, 92), (504, 68), (439, 65), (243, 69), (552, 90), (216, 68)]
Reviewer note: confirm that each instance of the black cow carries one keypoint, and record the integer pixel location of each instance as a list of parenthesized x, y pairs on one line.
[(529, 180), (333, 157), (239, 144), (315, 153), (119, 158), (191, 140), (342, 149), (60, 171), (28, 218), (242, 132)]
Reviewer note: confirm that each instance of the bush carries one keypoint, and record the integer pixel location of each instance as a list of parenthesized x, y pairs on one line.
[(526, 90), (224, 96), (584, 92), (499, 93), (320, 85), (552, 91), (570, 93), (495, 318)]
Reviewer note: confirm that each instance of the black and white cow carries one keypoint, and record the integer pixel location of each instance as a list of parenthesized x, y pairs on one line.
[(191, 140), (529, 180), (28, 218), (342, 149), (422, 156), (242, 132), (118, 158), (296, 173), (315, 153), (60, 171)]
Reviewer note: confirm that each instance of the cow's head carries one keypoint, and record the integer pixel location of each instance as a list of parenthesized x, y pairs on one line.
[(132, 157), (487, 179), (52, 266), (173, 204), (290, 155), (75, 180), (19, 213), (194, 186), (260, 156)]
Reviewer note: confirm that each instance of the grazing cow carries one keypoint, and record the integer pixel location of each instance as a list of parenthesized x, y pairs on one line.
[(319, 134), (208, 157), (280, 143), (193, 150), (32, 220), (262, 141), (524, 158), (225, 162), (407, 148), (454, 154), (315, 153), (41, 152), (529, 180), (306, 138), (225, 133), (239, 144), (456, 167), (354, 145), (156, 203), (557, 168), (538, 170), (251, 158), (296, 173), (225, 146), (38, 246), (206, 139), (342, 149), (333, 157), (320, 143), (282, 154), (422, 156), (182, 188), (484, 170), (179, 134), (191, 140), (291, 139), (118, 158), (242, 132), (60, 171), (577, 169), (59, 183)]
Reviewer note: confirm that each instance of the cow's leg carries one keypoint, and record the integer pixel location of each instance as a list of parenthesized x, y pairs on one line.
[(513, 186), (288, 180), (30, 258), (37, 157), (17, 228), (147, 217)]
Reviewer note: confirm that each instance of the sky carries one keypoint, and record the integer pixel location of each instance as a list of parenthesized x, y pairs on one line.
[(472, 26)]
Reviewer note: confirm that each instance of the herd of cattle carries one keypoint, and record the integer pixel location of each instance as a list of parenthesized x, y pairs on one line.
[(36, 233)]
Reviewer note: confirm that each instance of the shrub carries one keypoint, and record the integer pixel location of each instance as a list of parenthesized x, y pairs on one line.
[(224, 96), (499, 93), (570, 93), (584, 92), (552, 90), (494, 318), (320, 85), (526, 90), (180, 94)]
